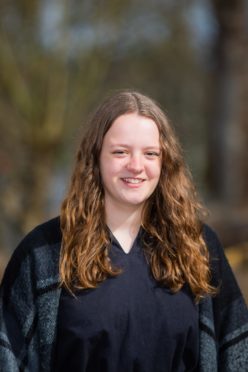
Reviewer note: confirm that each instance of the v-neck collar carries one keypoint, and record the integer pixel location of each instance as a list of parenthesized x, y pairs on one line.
[(115, 241)]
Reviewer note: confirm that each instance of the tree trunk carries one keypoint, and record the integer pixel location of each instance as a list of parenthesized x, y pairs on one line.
[(228, 128)]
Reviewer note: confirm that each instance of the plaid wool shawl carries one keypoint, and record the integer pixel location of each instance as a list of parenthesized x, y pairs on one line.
[(29, 301)]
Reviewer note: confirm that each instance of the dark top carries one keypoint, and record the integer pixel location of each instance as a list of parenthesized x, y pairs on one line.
[(128, 323), (29, 302)]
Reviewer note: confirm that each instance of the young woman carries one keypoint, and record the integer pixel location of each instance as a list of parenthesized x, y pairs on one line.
[(128, 278)]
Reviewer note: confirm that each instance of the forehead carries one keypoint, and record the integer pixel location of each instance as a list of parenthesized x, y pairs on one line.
[(133, 128)]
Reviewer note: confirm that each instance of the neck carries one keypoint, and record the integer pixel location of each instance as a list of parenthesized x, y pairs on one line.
[(123, 218)]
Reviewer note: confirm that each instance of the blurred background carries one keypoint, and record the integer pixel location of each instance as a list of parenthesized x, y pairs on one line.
[(59, 58)]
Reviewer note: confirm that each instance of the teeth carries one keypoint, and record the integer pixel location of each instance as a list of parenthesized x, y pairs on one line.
[(132, 180)]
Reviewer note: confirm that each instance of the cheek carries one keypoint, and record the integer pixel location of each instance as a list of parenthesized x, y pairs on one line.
[(109, 168), (154, 170)]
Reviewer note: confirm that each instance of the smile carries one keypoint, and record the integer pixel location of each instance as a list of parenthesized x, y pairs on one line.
[(133, 180)]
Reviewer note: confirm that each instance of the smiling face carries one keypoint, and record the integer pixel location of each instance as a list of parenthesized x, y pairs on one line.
[(130, 161)]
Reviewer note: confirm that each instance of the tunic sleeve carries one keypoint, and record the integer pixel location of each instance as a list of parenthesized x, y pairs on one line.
[(17, 316), (29, 298), (224, 318)]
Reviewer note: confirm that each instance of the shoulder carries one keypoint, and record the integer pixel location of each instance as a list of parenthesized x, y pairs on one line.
[(39, 249), (48, 232), (214, 245), (222, 275), (212, 240), (44, 235), (217, 258)]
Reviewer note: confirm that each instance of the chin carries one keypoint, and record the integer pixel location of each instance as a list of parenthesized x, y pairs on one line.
[(136, 202)]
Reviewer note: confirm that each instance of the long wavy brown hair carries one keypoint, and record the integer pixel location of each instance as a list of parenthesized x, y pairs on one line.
[(171, 217)]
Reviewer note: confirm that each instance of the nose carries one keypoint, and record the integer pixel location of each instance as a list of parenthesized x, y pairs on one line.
[(135, 164)]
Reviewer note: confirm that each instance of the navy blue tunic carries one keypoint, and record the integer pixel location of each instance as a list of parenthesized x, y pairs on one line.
[(128, 324)]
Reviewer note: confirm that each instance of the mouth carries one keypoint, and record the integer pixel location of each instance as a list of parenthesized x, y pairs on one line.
[(133, 181)]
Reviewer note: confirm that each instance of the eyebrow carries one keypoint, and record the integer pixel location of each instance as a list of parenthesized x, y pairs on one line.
[(125, 145)]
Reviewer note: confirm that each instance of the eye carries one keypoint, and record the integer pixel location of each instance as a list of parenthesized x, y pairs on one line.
[(119, 152), (152, 154)]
